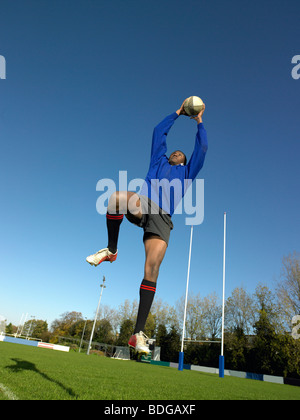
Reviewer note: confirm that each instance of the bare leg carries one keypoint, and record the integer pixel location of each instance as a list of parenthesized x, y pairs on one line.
[(123, 202), (155, 249), (119, 203)]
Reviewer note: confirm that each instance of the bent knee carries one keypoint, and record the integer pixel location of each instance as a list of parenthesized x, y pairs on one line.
[(117, 202)]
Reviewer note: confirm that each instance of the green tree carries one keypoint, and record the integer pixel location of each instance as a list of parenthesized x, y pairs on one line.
[(264, 348), (236, 357), (265, 299), (239, 311), (170, 345), (61, 327), (161, 334), (36, 328), (150, 326), (40, 329), (126, 331), (76, 328), (104, 332), (10, 328)]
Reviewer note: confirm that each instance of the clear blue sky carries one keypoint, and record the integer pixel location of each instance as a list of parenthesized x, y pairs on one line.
[(86, 83)]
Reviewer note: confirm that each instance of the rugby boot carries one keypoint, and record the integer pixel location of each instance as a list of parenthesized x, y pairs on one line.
[(100, 256)]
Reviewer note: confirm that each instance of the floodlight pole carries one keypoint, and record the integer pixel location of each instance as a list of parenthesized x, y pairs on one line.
[(92, 333), (221, 358), (181, 354)]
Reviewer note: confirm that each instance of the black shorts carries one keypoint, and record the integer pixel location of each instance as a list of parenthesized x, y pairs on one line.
[(154, 220)]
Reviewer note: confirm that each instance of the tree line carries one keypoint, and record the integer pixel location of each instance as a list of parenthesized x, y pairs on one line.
[(258, 326)]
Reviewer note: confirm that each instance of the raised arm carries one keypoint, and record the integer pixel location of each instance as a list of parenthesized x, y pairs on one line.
[(159, 143), (197, 159), (160, 132)]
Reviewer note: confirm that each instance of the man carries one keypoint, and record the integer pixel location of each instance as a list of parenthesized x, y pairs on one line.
[(165, 185)]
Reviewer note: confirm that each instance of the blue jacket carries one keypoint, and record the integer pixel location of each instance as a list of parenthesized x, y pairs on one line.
[(166, 184)]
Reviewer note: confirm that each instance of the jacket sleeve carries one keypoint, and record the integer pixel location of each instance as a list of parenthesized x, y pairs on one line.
[(197, 159), (160, 132)]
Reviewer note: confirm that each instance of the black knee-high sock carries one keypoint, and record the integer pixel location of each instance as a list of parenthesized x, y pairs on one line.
[(113, 222), (147, 292)]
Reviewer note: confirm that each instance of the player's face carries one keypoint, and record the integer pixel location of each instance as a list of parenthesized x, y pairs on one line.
[(176, 158)]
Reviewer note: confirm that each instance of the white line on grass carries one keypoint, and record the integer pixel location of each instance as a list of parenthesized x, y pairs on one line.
[(8, 393)]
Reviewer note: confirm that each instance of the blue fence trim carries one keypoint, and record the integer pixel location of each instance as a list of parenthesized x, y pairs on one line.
[(238, 374), (20, 341), (255, 376)]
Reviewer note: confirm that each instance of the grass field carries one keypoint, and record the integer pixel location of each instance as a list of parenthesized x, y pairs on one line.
[(30, 373)]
